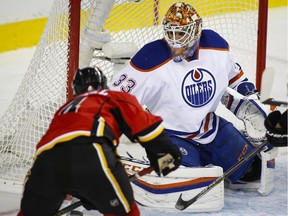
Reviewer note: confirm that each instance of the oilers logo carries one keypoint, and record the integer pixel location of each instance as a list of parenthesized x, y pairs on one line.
[(198, 87), (183, 151)]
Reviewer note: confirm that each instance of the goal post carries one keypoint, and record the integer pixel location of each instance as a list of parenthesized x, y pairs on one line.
[(47, 82), (261, 41), (74, 41)]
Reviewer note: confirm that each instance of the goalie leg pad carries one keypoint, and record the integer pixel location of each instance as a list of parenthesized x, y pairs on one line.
[(163, 192), (85, 54), (266, 183), (267, 171), (153, 191), (98, 39)]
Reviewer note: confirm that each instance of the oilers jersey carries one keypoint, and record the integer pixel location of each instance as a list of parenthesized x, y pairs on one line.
[(186, 93)]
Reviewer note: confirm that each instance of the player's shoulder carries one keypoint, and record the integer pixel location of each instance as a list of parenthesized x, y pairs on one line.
[(212, 40), (108, 93), (121, 96), (151, 56)]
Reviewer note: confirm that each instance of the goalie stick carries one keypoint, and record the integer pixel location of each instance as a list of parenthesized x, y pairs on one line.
[(78, 203), (182, 204)]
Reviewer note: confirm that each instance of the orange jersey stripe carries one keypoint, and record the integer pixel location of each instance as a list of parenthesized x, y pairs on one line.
[(151, 69), (234, 79)]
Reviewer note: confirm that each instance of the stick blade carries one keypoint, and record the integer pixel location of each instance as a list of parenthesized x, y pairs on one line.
[(179, 204), (182, 204)]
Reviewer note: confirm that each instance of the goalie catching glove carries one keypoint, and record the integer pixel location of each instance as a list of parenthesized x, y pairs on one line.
[(250, 111), (164, 156)]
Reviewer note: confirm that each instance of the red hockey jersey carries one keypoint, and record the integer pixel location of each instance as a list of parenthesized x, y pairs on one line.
[(104, 113)]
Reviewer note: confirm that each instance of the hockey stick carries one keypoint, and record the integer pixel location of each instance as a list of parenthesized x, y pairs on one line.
[(77, 204), (182, 204)]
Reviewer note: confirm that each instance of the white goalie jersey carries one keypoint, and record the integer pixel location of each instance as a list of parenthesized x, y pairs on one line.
[(182, 93)]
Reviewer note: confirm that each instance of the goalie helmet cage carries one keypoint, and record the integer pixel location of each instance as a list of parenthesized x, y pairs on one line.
[(47, 82)]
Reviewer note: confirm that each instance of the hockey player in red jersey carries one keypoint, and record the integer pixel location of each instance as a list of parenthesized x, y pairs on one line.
[(77, 155)]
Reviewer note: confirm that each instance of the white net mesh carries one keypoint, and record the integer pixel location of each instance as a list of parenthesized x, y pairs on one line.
[(43, 88)]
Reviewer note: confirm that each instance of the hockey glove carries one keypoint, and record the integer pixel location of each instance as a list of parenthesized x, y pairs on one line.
[(276, 125), (163, 155), (251, 112), (163, 164)]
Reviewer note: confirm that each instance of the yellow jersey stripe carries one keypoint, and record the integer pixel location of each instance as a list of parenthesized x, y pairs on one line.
[(152, 134), (63, 138), (111, 177), (101, 126)]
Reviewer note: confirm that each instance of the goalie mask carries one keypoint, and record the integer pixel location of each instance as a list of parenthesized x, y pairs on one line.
[(182, 30), (87, 79)]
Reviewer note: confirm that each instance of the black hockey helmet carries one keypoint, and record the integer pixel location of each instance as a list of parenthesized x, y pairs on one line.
[(87, 79)]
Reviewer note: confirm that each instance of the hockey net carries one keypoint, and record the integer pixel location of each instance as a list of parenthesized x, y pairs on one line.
[(47, 82)]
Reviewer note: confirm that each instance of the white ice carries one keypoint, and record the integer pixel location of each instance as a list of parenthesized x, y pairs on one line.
[(14, 64)]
